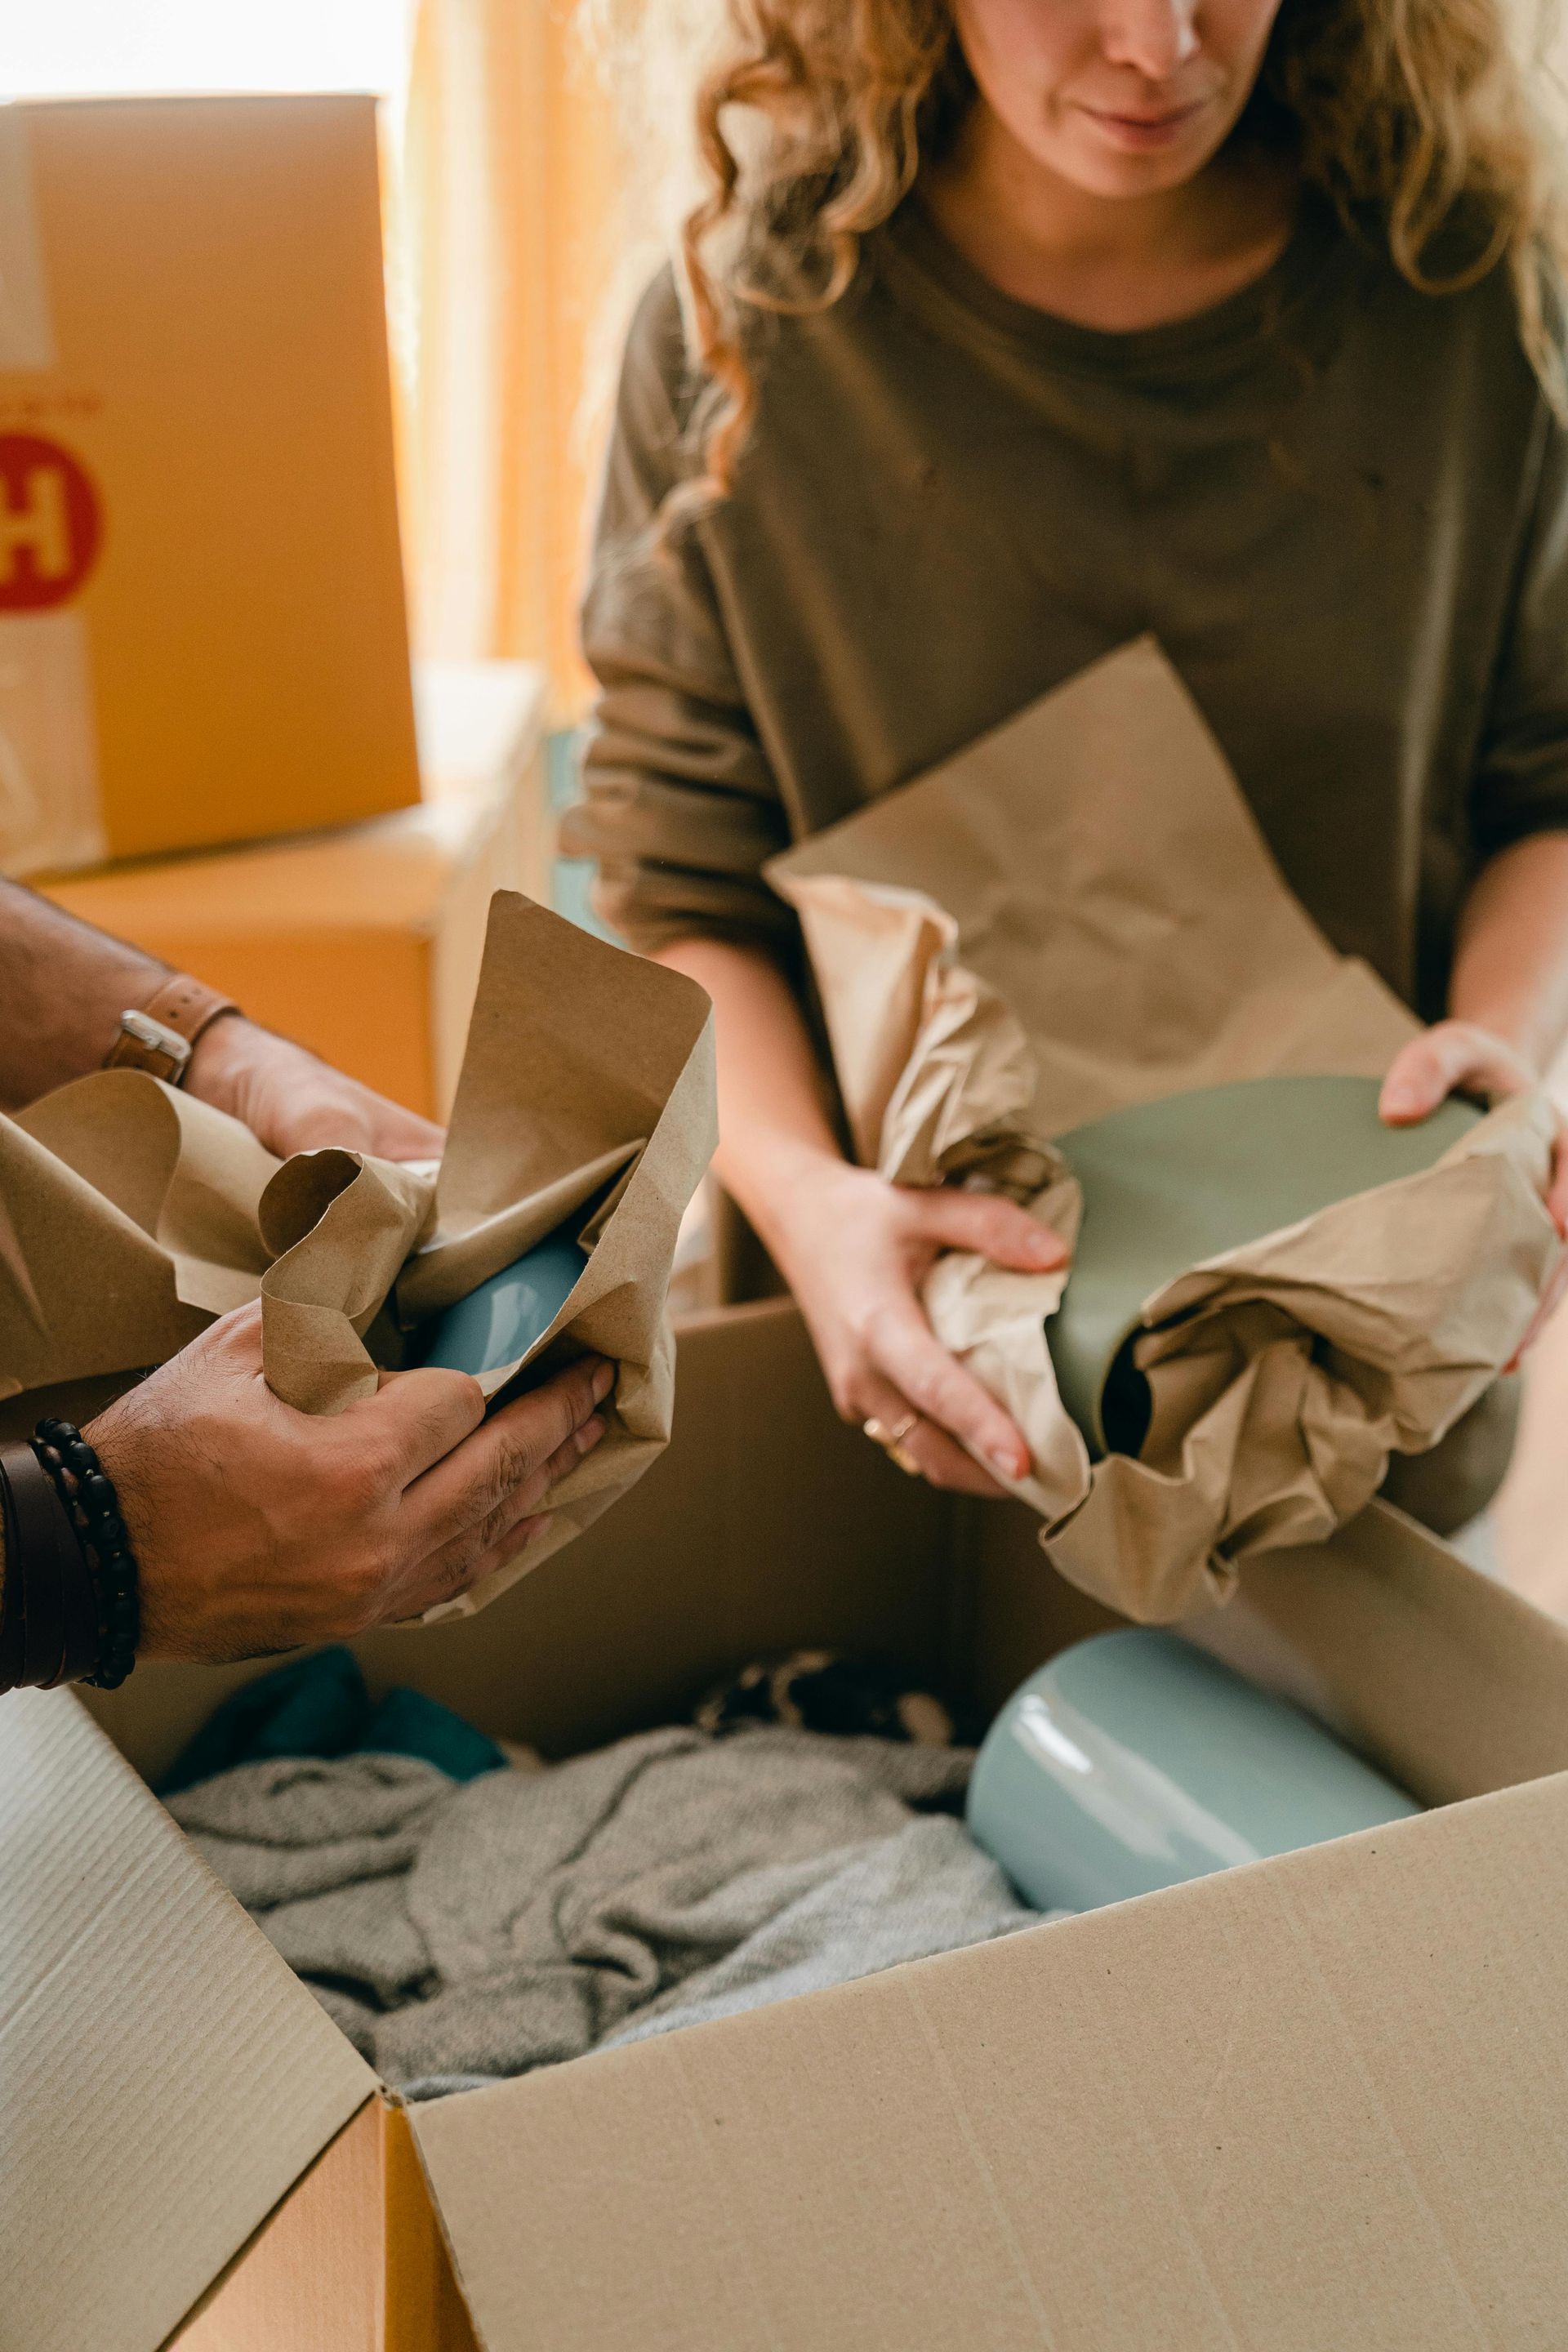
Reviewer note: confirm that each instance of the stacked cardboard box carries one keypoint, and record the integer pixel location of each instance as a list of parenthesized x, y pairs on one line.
[(201, 627)]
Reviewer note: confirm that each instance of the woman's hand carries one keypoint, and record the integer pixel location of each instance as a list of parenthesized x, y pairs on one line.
[(853, 1248), (257, 1528), (1458, 1057), (292, 1102), (855, 1251)]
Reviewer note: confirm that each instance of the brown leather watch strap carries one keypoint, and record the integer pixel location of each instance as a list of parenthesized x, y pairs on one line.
[(158, 1036)]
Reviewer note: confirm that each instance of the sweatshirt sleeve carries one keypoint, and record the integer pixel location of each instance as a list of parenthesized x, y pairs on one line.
[(679, 806), (1521, 781)]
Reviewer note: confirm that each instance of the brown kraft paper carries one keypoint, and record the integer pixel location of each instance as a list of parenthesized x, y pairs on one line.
[(1078, 913), (586, 1067)]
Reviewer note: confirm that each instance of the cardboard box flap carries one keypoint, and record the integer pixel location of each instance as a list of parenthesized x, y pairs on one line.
[(1316, 2102), (163, 2078), (1454, 1684)]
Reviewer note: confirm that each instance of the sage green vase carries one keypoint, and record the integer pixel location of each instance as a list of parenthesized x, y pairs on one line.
[(1133, 1761), (1168, 1184)]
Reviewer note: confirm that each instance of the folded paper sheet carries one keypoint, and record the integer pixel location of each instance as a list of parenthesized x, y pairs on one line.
[(1078, 913), (585, 1065)]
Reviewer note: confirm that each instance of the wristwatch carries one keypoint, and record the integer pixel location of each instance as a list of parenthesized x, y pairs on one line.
[(158, 1036)]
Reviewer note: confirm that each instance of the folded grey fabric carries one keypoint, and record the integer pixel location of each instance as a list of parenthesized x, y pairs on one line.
[(458, 1932)]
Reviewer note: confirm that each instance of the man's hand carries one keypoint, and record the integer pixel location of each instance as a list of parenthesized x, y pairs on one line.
[(292, 1102), (258, 1529), (1456, 1057)]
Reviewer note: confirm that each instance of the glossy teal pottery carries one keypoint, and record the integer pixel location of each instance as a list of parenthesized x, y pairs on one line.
[(1133, 1761), (1170, 1183), (501, 1320)]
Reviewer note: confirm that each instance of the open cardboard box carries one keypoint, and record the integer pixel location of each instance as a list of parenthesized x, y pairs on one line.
[(1314, 2103)]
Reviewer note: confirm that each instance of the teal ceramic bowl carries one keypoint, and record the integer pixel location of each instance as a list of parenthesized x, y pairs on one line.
[(501, 1320), (1170, 1183), (1133, 1761)]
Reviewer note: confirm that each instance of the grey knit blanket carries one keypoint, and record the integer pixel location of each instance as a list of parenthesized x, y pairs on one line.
[(457, 1932)]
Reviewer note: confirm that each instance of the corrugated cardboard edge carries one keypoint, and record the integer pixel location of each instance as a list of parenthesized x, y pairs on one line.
[(1321, 2100), (315, 2271), (155, 2113), (1478, 1699), (352, 2258)]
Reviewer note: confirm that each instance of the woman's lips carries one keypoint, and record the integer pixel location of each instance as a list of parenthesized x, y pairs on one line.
[(1141, 132)]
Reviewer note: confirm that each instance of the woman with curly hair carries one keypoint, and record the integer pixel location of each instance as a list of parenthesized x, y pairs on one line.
[(1008, 330)]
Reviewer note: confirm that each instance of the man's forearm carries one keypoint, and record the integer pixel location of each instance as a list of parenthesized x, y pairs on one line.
[(1511, 970), (63, 987)]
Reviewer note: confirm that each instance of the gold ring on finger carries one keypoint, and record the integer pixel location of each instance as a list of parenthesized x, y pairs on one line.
[(891, 1442), (889, 1439)]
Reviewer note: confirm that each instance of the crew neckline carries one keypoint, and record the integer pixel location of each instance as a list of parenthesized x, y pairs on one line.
[(1225, 330)]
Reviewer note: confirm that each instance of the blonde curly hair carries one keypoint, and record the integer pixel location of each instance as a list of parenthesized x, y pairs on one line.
[(814, 119)]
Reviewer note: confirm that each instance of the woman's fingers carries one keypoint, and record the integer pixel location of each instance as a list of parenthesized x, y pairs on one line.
[(1417, 1083), (1551, 1301), (964, 1440), (998, 1228), (943, 1462), (905, 1351), (937, 1457), (1557, 1196), (1451, 1057), (1458, 1057)]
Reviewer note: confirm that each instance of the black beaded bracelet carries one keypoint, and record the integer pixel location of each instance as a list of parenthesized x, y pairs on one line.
[(48, 1605), (86, 1491)]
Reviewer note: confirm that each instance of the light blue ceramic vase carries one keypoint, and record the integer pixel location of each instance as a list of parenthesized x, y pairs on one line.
[(1133, 1761), (502, 1319)]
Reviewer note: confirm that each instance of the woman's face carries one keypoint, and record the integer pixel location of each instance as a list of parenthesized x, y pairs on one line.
[(1123, 98)]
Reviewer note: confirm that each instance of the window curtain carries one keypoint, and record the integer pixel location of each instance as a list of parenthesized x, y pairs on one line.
[(503, 212)]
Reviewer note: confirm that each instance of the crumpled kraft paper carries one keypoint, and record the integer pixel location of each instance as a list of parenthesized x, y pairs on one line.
[(131, 1216), (1078, 913), (936, 1074), (1110, 887)]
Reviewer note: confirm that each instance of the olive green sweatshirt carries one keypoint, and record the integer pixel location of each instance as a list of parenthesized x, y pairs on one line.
[(1340, 504)]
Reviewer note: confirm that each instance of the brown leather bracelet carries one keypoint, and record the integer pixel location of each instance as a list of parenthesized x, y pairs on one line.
[(49, 1625), (13, 1602), (158, 1036)]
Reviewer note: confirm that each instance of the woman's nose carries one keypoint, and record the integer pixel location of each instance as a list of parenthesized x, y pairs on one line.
[(1155, 37)]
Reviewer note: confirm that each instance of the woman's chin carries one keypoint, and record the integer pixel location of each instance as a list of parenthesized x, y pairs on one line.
[(1103, 163)]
